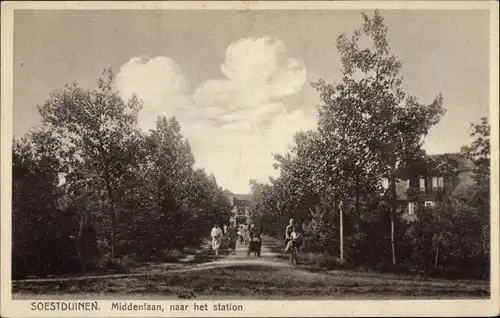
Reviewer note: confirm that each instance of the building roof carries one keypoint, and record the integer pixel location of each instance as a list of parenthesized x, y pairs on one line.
[(459, 160), (461, 189), (463, 163), (243, 197)]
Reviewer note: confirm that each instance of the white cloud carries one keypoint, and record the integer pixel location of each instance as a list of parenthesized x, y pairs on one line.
[(159, 83), (261, 60), (235, 122)]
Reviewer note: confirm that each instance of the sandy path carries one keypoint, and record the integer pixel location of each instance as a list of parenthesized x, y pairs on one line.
[(267, 259)]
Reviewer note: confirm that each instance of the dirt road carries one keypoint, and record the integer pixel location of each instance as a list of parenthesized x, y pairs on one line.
[(251, 277)]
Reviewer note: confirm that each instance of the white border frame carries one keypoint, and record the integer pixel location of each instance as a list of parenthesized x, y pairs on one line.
[(424, 308)]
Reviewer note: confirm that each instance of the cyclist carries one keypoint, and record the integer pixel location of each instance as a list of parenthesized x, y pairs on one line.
[(293, 245), (288, 231), (292, 234)]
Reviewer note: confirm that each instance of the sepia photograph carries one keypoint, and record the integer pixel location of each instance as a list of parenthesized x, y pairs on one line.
[(213, 156)]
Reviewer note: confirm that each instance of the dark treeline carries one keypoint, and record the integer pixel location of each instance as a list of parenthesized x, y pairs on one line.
[(127, 195), (370, 133)]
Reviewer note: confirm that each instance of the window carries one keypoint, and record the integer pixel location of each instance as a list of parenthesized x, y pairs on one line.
[(440, 182), (422, 183), (434, 182), (411, 208), (241, 211)]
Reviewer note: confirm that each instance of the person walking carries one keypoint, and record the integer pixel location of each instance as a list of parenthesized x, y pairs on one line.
[(243, 232), (255, 243), (247, 234), (225, 239), (254, 231), (240, 233), (216, 238), (231, 233)]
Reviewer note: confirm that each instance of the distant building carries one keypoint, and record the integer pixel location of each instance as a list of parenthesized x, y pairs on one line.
[(427, 190), (241, 207)]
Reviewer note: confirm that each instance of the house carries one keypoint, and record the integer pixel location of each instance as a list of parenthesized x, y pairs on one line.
[(241, 207), (428, 188)]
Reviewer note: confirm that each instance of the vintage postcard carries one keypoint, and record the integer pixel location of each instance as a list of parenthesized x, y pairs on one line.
[(249, 159)]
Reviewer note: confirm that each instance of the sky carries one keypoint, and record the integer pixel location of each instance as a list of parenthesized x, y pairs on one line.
[(239, 82)]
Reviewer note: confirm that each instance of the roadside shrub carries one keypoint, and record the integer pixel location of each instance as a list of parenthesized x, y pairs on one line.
[(119, 265), (45, 250), (171, 256)]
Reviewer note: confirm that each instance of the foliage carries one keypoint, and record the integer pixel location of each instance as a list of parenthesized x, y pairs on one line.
[(169, 204), (380, 128), (479, 153), (95, 126), (453, 235), (369, 131), (42, 240), (124, 191)]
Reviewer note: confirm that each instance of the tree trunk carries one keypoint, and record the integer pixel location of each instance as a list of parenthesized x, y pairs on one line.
[(437, 257), (112, 213), (341, 233), (79, 244), (358, 213), (83, 206), (392, 217), (113, 229)]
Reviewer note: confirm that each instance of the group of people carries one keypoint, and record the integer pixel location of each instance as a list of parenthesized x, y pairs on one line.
[(244, 233), (229, 234)]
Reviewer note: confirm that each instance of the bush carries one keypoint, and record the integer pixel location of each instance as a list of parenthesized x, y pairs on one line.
[(46, 250), (171, 256), (119, 265)]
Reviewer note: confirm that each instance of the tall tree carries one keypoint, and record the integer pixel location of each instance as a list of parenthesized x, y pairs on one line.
[(97, 127), (41, 233), (479, 196), (381, 128), (479, 153), (168, 205)]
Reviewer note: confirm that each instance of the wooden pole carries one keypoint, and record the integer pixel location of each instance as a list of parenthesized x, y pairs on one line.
[(392, 216), (436, 258), (341, 233)]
